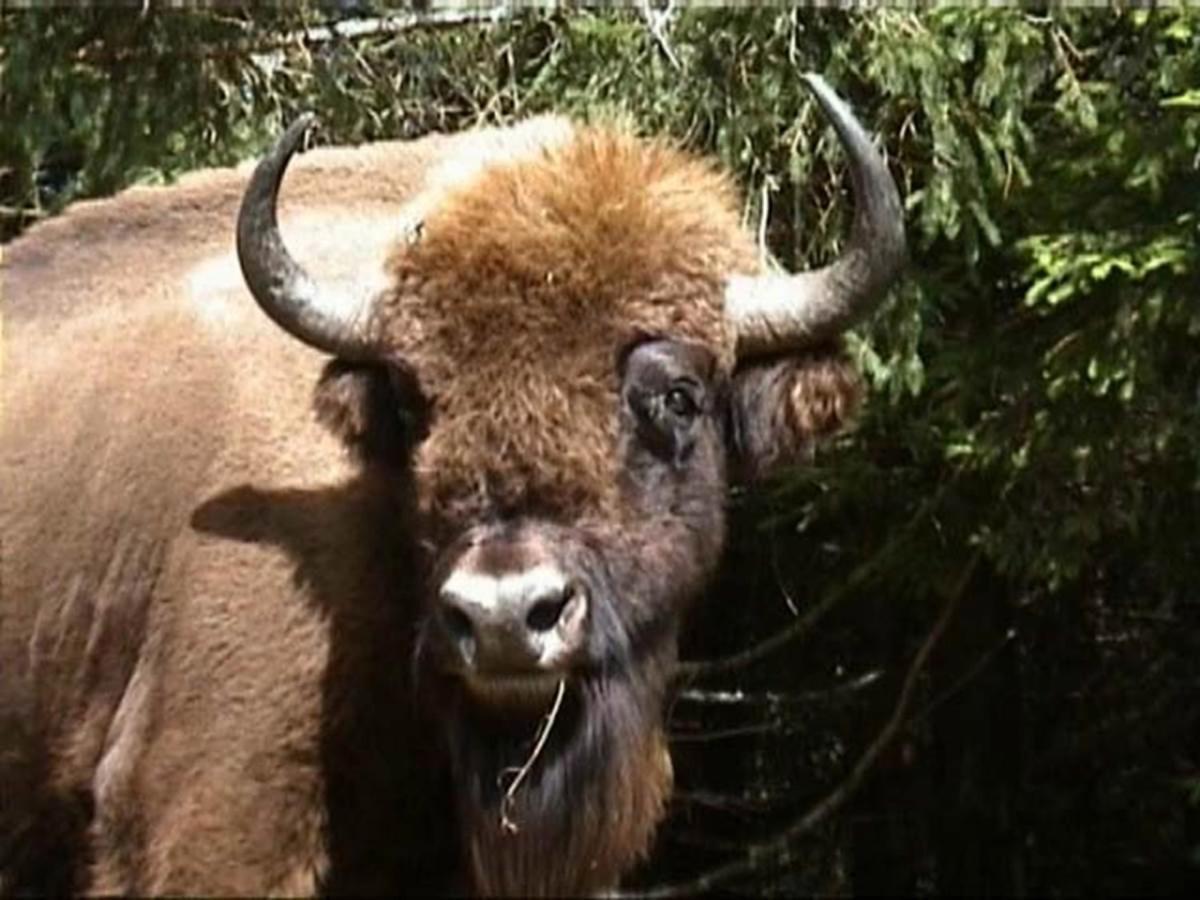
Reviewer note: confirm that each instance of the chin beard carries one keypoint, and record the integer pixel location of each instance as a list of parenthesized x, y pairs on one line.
[(566, 811)]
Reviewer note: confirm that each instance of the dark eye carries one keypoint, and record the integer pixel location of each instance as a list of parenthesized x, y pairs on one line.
[(680, 402)]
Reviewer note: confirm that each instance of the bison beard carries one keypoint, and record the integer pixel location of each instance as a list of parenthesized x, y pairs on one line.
[(589, 804)]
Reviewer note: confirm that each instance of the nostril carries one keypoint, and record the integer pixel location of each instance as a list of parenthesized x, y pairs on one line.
[(457, 623), (545, 613)]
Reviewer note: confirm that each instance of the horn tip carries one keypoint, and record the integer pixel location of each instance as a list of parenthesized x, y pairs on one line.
[(297, 131)]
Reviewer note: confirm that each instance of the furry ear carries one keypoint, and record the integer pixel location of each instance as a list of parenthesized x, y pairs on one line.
[(377, 411), (782, 408)]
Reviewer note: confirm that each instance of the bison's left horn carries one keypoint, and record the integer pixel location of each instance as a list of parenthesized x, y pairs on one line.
[(332, 321), (772, 313)]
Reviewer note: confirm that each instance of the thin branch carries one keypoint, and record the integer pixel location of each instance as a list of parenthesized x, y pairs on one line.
[(778, 715), (30, 211), (779, 579), (721, 734), (393, 23), (507, 824), (775, 699), (658, 22), (702, 841), (270, 47), (966, 678), (769, 853), (736, 804), (764, 216), (687, 672)]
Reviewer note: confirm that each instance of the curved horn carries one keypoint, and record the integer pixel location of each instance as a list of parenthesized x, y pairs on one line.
[(332, 321), (780, 312)]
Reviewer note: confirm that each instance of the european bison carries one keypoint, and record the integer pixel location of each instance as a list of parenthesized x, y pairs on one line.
[(238, 659)]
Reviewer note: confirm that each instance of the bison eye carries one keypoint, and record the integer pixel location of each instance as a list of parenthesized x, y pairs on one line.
[(679, 400), (665, 388)]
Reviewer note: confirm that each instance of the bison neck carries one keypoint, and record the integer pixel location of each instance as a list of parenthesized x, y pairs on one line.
[(586, 809)]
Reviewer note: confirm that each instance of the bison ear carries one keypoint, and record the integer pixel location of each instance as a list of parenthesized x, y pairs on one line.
[(782, 408), (378, 412)]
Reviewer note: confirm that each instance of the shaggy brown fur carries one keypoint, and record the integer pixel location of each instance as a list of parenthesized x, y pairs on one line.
[(589, 807), (527, 281), (215, 609), (783, 408), (201, 652)]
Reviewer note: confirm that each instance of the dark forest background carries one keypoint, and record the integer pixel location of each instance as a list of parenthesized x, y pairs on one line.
[(961, 647)]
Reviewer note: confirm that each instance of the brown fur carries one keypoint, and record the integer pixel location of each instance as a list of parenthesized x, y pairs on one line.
[(214, 608), (784, 408), (185, 551), (523, 286)]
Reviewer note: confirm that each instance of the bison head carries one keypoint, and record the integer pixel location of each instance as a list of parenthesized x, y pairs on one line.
[(576, 350)]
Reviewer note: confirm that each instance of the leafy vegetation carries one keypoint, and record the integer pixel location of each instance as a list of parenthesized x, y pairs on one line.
[(1033, 443)]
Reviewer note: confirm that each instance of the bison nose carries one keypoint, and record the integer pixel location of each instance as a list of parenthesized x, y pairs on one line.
[(516, 622)]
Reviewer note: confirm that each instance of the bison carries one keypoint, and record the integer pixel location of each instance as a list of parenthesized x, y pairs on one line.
[(411, 629)]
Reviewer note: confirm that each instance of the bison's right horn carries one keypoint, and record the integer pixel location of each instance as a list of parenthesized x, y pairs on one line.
[(332, 321), (777, 313)]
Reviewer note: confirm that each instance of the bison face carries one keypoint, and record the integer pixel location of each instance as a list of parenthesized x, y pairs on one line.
[(524, 602), (524, 596), (573, 356)]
